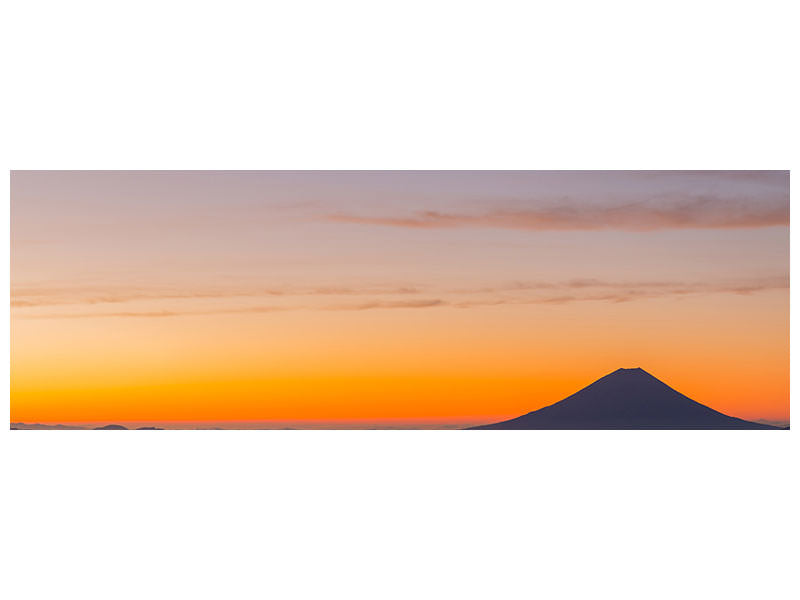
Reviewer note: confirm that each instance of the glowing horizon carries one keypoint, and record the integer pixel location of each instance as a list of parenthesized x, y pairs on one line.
[(430, 297)]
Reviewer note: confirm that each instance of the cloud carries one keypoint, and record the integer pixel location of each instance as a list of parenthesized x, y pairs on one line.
[(511, 293), (616, 292), (159, 313), (239, 310), (743, 287), (698, 212), (390, 304), (28, 297)]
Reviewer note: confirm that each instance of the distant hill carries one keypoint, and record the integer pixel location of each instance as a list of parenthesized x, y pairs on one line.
[(626, 399), (43, 426)]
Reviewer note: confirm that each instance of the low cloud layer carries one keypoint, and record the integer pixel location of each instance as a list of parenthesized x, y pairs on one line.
[(239, 310), (701, 212), (31, 296), (512, 293)]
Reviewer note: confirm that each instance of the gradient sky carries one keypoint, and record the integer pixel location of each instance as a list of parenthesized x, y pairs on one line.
[(430, 297)]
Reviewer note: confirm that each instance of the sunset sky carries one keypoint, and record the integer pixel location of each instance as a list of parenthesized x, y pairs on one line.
[(427, 298)]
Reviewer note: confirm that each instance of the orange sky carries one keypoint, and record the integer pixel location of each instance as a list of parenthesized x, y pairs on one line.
[(151, 297)]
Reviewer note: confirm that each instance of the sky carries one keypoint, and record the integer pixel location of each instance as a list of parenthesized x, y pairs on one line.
[(414, 298)]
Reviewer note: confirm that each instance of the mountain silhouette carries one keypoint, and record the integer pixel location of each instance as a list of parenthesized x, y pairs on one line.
[(626, 399), (43, 426), (112, 427)]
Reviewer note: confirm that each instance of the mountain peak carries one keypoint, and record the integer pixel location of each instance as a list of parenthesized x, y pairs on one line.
[(630, 370), (634, 374), (626, 399)]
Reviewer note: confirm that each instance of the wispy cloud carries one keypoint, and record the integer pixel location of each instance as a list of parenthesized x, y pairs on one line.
[(513, 293), (32, 296), (699, 212), (159, 313), (236, 310), (390, 304), (741, 287), (617, 292)]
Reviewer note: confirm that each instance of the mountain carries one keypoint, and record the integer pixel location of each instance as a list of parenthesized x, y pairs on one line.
[(112, 427), (42, 426), (626, 399)]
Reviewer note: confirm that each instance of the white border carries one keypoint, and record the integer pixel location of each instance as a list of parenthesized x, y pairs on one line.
[(366, 85)]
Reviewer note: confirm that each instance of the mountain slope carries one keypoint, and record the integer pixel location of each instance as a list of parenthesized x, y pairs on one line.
[(626, 399)]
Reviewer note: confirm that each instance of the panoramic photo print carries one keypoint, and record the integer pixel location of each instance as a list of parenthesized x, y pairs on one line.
[(472, 300)]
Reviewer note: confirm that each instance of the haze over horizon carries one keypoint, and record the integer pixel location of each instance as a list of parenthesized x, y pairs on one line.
[(443, 297)]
